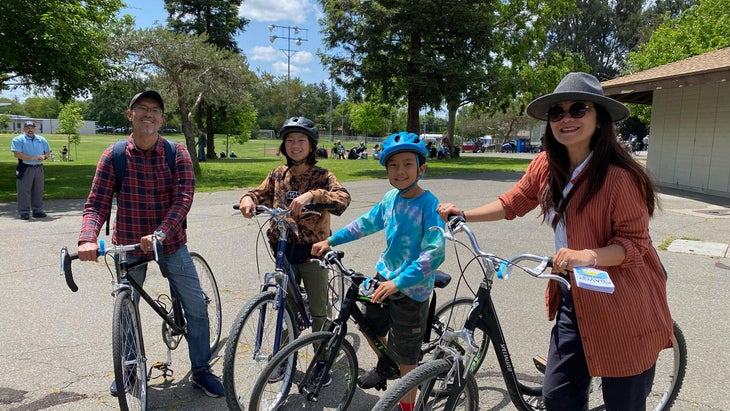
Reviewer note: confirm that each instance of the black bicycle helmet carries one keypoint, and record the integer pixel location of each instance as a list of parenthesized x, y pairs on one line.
[(301, 124)]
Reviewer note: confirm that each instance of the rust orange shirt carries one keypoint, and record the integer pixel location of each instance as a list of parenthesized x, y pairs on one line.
[(622, 332)]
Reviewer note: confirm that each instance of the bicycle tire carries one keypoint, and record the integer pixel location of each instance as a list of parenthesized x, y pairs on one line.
[(431, 379), (239, 364), (452, 315), (130, 375), (212, 298), (298, 359), (671, 367)]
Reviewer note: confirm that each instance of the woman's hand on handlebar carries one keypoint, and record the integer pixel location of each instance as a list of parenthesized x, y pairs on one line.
[(88, 251), (447, 209), (247, 207), (320, 248), (384, 290)]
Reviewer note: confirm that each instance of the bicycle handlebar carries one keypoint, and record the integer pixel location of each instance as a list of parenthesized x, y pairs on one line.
[(277, 211), (334, 258), (67, 257), (502, 267)]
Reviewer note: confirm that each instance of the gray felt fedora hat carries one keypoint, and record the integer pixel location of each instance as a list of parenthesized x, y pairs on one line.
[(577, 87)]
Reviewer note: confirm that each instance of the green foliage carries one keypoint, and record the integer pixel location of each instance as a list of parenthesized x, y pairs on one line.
[(369, 118), (219, 19), (4, 121), (187, 71), (255, 159), (57, 45), (70, 119), (702, 28), (109, 102), (42, 107)]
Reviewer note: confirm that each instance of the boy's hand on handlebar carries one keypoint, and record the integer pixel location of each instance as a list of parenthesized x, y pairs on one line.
[(247, 207), (384, 290), (320, 248), (88, 251)]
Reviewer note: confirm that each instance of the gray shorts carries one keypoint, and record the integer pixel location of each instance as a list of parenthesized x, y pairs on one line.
[(404, 321)]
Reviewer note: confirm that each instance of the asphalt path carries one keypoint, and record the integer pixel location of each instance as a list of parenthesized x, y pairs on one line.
[(55, 344)]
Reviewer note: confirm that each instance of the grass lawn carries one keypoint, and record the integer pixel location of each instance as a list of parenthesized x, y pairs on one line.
[(67, 180)]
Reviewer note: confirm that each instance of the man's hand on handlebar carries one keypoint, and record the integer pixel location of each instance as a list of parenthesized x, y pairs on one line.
[(88, 251)]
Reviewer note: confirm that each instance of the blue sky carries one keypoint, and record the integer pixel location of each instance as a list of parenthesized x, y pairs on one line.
[(262, 55)]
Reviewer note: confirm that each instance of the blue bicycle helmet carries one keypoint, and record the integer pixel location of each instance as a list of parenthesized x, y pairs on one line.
[(403, 141)]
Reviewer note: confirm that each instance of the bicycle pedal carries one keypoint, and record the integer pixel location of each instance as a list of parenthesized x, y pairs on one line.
[(540, 363), (382, 386)]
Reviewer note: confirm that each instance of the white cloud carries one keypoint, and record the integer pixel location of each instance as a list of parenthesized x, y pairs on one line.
[(263, 53), (277, 10)]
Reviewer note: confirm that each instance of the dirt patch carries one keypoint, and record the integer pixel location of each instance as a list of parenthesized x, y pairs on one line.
[(272, 152)]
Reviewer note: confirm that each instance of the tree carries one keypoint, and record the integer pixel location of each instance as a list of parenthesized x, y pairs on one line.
[(369, 118), (219, 19), (189, 70), (697, 30), (220, 22), (70, 118), (57, 45), (109, 101), (42, 107), (424, 53)]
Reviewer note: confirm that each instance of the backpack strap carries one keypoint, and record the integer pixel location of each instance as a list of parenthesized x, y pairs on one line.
[(119, 162)]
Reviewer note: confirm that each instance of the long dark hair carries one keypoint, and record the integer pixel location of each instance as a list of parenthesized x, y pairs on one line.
[(606, 151)]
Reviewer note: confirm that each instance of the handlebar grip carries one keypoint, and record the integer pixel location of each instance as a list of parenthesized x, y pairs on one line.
[(319, 207), (550, 262), (66, 259), (236, 206)]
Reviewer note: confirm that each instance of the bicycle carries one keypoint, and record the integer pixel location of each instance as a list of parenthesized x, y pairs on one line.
[(269, 320), (323, 365), (445, 383), (130, 362)]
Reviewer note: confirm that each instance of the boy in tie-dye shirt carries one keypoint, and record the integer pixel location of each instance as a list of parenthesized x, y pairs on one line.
[(413, 253)]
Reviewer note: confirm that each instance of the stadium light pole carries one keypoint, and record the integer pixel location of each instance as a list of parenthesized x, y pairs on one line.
[(288, 51)]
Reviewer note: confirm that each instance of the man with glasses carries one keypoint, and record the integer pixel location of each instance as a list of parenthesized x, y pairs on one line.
[(153, 199), (31, 150)]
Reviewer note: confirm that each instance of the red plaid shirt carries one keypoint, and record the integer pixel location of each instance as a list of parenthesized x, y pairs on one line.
[(152, 197)]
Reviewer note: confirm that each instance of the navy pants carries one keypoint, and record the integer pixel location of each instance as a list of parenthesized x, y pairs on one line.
[(567, 381)]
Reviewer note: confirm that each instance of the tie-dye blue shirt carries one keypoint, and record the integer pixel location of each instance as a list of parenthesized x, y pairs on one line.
[(413, 251)]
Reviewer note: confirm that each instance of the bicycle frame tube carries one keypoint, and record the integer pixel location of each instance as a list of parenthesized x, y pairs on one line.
[(485, 318), (125, 281)]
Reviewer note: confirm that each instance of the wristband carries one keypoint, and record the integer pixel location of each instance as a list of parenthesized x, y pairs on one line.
[(595, 257)]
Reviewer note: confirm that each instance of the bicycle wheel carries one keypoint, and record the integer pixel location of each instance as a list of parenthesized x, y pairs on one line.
[(130, 368), (432, 380), (246, 355), (452, 315), (294, 389), (670, 369), (212, 298)]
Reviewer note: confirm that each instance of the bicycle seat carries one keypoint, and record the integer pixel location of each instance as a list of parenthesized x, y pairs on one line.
[(442, 279)]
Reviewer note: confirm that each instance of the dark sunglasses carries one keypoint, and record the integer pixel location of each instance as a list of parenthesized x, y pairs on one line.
[(576, 110)]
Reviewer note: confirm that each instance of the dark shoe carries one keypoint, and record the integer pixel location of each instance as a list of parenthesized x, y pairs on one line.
[(25, 216), (319, 374), (209, 383), (130, 381), (39, 215), (377, 377), (279, 373)]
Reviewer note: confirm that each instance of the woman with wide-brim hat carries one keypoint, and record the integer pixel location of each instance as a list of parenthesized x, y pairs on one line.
[(598, 200)]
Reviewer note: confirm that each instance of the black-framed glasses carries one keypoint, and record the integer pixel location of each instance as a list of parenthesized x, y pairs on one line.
[(576, 110), (144, 110)]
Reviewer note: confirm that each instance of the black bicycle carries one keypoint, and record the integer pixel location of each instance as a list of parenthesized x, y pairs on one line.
[(321, 368), (130, 362), (445, 383)]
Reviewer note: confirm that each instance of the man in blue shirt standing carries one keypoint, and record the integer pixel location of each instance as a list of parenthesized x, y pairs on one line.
[(30, 150)]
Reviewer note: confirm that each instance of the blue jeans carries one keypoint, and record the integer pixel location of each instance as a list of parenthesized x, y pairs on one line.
[(180, 272)]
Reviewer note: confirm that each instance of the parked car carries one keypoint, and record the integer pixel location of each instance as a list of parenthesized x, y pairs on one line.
[(169, 130), (469, 146), (104, 129), (509, 146)]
